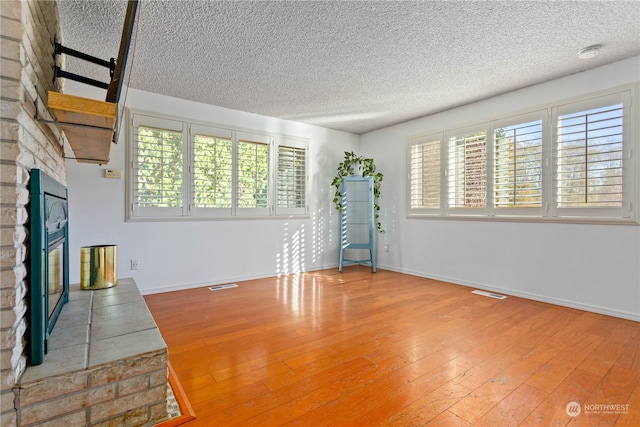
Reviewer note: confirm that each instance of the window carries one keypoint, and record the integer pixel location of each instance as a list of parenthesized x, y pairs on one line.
[(467, 171), (517, 166), (183, 170), (253, 173), (571, 161), (424, 170), (292, 177), (158, 172), (159, 167), (590, 158), (212, 171)]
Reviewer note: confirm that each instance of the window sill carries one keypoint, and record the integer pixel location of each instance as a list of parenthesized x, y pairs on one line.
[(214, 219), (505, 218)]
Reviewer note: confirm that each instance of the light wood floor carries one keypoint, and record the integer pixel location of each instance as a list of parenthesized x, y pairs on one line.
[(364, 349)]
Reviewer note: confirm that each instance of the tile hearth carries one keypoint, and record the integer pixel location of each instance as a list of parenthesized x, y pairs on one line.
[(107, 362)]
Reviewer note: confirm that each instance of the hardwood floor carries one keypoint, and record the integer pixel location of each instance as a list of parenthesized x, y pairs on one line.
[(363, 349)]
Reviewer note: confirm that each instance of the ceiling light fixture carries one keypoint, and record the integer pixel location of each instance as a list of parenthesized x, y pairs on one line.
[(589, 52)]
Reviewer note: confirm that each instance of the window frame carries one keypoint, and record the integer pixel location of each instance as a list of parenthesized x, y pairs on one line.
[(189, 211), (259, 139), (624, 211), (432, 139), (298, 144), (157, 123), (548, 210), (542, 116), (214, 132), (450, 210)]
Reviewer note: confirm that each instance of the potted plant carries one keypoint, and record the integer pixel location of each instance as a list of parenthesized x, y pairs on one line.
[(352, 165)]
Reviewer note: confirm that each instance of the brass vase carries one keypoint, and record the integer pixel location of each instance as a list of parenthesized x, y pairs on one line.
[(98, 266)]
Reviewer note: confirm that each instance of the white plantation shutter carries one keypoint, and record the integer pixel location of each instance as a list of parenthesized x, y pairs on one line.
[(518, 165), (590, 156), (157, 170), (291, 179), (571, 162), (252, 181), (180, 169), (424, 174), (467, 171), (212, 187)]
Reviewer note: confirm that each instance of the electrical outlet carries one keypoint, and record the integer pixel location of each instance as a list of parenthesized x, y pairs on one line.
[(386, 247), (135, 264)]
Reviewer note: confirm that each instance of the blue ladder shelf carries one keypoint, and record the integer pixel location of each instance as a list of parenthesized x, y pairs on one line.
[(357, 220)]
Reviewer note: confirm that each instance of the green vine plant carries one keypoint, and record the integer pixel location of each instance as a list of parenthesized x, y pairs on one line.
[(367, 167)]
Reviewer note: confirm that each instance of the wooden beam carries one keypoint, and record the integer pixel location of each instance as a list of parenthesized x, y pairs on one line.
[(88, 124)]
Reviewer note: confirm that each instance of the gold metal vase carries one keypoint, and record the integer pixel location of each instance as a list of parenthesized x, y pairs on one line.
[(98, 266)]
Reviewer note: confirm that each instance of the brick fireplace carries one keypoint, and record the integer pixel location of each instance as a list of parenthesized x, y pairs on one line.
[(27, 32)]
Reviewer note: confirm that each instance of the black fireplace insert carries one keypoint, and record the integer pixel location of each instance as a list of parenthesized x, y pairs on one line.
[(49, 260)]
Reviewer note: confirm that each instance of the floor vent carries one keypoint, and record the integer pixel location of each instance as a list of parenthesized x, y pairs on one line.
[(488, 294), (221, 287)]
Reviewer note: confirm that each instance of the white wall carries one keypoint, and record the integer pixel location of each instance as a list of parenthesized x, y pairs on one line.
[(593, 267), (175, 255)]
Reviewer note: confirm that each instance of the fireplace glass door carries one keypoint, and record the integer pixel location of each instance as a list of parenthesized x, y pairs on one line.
[(49, 260), (56, 276)]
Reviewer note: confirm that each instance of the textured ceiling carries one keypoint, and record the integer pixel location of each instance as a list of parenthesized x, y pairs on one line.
[(350, 65)]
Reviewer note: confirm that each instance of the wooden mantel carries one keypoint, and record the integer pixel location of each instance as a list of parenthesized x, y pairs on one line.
[(88, 124)]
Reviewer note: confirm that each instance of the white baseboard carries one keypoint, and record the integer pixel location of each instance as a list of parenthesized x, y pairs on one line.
[(541, 298)]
